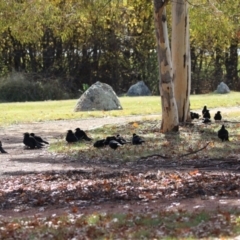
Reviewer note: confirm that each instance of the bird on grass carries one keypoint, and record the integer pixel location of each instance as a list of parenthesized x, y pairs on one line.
[(120, 139), (207, 114), (204, 109), (218, 116), (223, 134), (137, 140), (38, 138), (99, 143), (80, 134), (114, 144), (31, 142), (109, 138), (1, 148), (70, 137)]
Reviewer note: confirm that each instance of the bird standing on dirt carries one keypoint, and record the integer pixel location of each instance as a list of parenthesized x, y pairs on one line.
[(31, 142), (137, 140), (114, 144), (70, 137), (204, 109), (80, 134), (1, 148), (223, 134), (38, 138), (207, 114), (218, 116)]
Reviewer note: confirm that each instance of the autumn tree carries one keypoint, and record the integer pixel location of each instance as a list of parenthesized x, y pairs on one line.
[(78, 42), (214, 43)]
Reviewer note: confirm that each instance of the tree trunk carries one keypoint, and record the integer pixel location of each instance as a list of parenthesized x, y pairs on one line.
[(181, 58), (231, 64), (218, 72), (169, 106)]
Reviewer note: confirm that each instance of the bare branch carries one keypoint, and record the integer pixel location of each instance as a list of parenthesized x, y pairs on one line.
[(187, 154)]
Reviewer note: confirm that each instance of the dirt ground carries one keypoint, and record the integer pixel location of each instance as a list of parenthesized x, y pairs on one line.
[(20, 161)]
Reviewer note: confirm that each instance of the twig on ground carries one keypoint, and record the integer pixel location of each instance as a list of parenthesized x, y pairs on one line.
[(187, 154), (184, 155), (153, 155)]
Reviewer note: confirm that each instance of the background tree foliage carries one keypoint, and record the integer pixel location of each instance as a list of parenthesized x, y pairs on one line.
[(215, 37), (59, 47)]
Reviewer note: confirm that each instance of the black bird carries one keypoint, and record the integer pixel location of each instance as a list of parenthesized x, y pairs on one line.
[(31, 142), (109, 138), (223, 133), (207, 114), (99, 143), (120, 139), (70, 137), (218, 116), (206, 120), (38, 138), (204, 110), (137, 140), (80, 134), (1, 148), (114, 144), (194, 115)]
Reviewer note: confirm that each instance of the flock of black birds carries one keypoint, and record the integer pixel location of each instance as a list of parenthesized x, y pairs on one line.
[(223, 132), (33, 141), (112, 141)]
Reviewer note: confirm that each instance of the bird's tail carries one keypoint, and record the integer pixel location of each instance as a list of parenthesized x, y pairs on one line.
[(2, 150), (87, 138), (38, 144)]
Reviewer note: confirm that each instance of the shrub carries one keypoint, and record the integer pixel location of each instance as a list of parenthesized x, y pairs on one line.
[(17, 88)]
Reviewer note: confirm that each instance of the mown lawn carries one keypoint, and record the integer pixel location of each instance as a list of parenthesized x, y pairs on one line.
[(12, 113)]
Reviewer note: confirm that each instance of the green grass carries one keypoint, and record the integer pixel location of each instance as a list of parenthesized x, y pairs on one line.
[(188, 139), (14, 113), (155, 225)]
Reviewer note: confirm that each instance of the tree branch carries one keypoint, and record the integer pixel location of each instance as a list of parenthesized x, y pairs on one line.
[(187, 154), (184, 155), (153, 155)]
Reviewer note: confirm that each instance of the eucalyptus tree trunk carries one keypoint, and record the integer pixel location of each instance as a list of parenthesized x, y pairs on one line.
[(169, 106), (181, 58)]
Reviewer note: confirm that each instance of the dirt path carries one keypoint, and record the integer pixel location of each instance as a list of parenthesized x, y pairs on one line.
[(20, 160)]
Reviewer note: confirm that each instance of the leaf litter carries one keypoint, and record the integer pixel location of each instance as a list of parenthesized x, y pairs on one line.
[(168, 168)]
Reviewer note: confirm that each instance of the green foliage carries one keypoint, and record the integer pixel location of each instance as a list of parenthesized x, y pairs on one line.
[(218, 23), (19, 88), (96, 46), (85, 86), (109, 41)]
